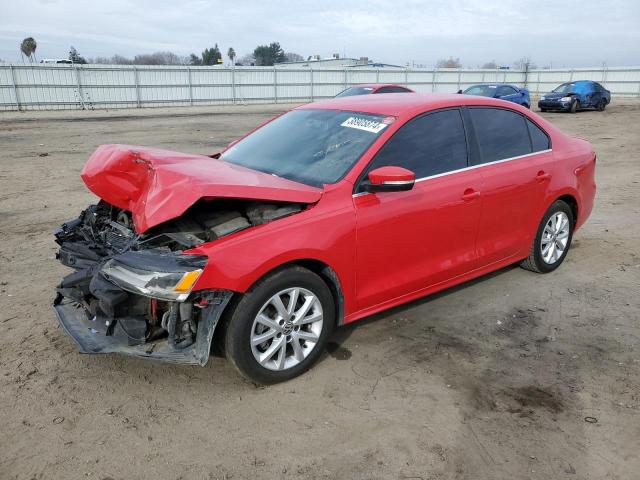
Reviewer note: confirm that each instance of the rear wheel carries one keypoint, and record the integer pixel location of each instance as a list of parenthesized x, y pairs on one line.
[(280, 327), (552, 240), (543, 109)]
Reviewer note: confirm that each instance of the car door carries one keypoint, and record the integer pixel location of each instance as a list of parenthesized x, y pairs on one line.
[(592, 94), (409, 240), (516, 164)]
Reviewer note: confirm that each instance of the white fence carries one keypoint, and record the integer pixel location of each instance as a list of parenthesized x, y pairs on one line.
[(53, 87)]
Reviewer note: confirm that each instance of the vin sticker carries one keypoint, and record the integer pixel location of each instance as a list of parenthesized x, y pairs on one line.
[(364, 124)]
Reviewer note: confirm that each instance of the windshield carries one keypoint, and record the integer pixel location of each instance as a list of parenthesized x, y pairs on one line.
[(355, 91), (309, 146), (482, 90), (565, 88)]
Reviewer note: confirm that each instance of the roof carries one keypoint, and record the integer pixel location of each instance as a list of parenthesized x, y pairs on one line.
[(397, 104), (497, 84), (378, 85)]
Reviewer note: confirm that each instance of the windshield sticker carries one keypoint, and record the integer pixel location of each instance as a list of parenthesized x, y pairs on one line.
[(364, 124)]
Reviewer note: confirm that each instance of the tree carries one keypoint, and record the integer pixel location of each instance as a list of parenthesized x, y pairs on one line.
[(158, 58), (293, 57), (246, 60), (231, 53), (74, 56), (449, 63), (120, 60), (267, 55), (211, 56), (490, 65), (524, 63), (28, 48), (194, 59)]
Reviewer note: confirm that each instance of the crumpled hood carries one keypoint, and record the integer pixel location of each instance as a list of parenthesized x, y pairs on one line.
[(157, 185)]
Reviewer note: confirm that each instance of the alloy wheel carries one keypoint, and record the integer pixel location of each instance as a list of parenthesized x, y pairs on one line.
[(286, 329), (555, 237)]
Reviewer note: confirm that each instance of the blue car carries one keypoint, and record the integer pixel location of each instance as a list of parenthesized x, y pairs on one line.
[(504, 91), (574, 96)]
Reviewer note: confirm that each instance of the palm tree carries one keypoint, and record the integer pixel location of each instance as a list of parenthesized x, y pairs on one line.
[(28, 48), (231, 53)]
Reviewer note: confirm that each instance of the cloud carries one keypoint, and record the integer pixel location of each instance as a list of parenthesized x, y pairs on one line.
[(570, 32)]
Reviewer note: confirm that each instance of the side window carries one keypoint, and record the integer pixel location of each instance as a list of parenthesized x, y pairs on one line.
[(428, 145), (539, 139), (392, 90), (501, 133), (504, 90)]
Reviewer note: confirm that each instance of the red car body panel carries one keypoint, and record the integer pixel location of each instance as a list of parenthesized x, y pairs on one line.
[(157, 185), (385, 248)]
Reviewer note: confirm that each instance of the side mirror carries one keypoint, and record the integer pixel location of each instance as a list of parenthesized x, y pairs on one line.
[(389, 179), (460, 91)]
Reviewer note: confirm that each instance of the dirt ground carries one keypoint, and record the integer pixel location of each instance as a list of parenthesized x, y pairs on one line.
[(513, 376)]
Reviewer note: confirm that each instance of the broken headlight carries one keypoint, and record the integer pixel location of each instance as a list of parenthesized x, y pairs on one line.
[(165, 276)]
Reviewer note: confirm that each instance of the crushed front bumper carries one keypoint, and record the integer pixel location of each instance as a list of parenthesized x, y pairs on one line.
[(554, 105), (103, 317), (94, 336)]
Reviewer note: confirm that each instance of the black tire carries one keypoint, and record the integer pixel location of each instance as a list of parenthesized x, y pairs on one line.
[(575, 105), (602, 105), (535, 262), (240, 323), (525, 105), (543, 109)]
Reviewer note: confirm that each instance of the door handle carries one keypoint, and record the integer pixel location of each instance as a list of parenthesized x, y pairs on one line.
[(542, 176), (470, 194)]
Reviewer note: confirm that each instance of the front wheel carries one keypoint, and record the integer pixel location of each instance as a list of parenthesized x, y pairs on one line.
[(280, 327), (552, 241), (574, 106), (602, 105)]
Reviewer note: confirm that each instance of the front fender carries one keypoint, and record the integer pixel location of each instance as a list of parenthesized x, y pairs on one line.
[(239, 261)]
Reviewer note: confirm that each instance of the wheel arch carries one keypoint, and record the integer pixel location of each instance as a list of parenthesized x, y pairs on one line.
[(572, 202), (325, 272)]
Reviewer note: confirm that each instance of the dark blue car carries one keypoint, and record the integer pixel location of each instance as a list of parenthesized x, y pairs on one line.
[(504, 91), (574, 96)]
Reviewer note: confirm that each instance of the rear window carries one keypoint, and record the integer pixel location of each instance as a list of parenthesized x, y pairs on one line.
[(392, 90), (349, 92), (501, 133)]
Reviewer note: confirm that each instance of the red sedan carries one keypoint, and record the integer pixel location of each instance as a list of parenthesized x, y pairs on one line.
[(373, 88), (326, 214)]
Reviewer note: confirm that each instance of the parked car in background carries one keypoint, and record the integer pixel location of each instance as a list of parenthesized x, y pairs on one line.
[(503, 91), (369, 88), (574, 96), (325, 215)]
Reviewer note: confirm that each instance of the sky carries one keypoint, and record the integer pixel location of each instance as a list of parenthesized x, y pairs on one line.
[(561, 33)]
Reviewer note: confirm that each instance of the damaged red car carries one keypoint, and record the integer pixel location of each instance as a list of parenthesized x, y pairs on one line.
[(326, 214)]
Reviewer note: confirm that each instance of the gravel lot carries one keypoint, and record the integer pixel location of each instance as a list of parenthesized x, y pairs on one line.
[(513, 376)]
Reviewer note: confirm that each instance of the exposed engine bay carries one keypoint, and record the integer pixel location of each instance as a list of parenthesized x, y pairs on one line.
[(131, 293)]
